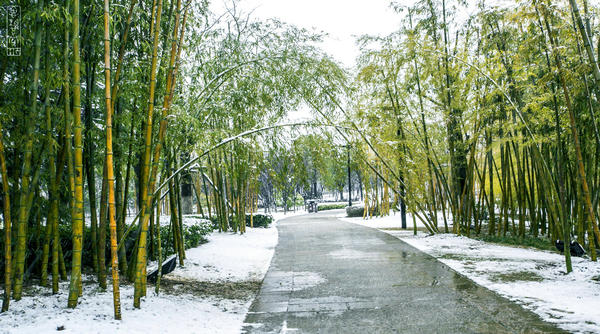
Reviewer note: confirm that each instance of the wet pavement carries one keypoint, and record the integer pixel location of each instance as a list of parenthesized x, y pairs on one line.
[(330, 276)]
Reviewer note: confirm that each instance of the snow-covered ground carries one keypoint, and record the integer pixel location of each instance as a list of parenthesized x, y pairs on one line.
[(393, 221), (280, 214), (165, 313), (226, 259), (534, 278), (231, 257)]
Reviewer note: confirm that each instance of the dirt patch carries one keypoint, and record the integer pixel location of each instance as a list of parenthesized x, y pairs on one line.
[(517, 276), (225, 290), (407, 229), (472, 259)]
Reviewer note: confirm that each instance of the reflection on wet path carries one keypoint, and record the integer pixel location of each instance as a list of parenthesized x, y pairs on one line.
[(328, 276)]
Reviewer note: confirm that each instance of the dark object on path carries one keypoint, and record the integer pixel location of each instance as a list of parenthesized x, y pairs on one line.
[(576, 249), (167, 267), (312, 205), (60, 328)]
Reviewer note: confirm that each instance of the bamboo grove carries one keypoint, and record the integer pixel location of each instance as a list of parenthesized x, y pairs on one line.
[(101, 117), (121, 112), (489, 121)]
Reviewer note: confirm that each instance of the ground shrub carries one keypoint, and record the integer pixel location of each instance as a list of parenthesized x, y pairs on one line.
[(359, 210), (193, 235), (260, 220), (323, 207), (355, 211)]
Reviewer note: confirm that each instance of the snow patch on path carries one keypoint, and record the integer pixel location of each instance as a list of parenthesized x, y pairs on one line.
[(348, 254), (306, 279)]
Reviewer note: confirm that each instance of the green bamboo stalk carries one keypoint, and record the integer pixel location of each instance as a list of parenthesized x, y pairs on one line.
[(159, 249), (53, 210), (57, 257), (7, 228), (77, 220), (101, 246), (591, 219), (26, 170)]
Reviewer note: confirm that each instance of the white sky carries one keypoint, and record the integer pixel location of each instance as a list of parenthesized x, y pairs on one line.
[(342, 20)]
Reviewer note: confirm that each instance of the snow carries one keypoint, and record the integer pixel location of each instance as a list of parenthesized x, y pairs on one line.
[(227, 257), (281, 215), (348, 254), (306, 279), (533, 278), (231, 257), (163, 313), (392, 221)]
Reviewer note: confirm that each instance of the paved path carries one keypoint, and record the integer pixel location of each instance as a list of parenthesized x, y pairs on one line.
[(330, 276)]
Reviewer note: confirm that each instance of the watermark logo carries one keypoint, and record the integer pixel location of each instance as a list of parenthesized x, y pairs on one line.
[(13, 30)]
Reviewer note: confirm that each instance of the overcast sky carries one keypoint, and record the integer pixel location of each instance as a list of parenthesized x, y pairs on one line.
[(342, 20)]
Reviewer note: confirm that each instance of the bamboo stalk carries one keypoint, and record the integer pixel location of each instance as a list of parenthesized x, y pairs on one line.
[(141, 266), (53, 210), (26, 169), (77, 220), (7, 228), (57, 256), (144, 183), (581, 169), (109, 168)]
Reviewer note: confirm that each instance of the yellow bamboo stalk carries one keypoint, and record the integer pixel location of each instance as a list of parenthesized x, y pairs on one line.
[(140, 279), (145, 214), (109, 168)]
